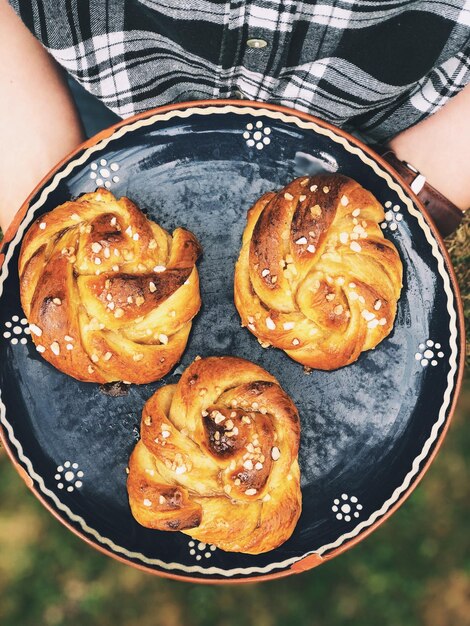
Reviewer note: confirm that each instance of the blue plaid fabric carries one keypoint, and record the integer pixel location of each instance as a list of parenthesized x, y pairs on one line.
[(374, 66)]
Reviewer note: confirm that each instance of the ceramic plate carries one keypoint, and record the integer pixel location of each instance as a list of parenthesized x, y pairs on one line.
[(369, 430)]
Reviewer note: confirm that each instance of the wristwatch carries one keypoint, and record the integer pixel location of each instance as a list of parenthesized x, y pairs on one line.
[(445, 215)]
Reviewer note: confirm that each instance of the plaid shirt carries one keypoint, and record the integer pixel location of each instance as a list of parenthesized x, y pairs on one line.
[(375, 67)]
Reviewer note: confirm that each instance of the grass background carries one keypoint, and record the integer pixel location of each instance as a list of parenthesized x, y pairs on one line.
[(412, 571)]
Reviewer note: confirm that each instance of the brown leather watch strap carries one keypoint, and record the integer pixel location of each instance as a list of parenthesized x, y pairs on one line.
[(445, 215)]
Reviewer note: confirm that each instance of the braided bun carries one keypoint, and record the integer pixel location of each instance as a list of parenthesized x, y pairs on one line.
[(315, 276), (217, 458), (109, 294)]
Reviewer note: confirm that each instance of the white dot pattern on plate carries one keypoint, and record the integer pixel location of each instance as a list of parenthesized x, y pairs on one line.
[(256, 135), (346, 507), (102, 173), (429, 353), (16, 330), (393, 216), (198, 549), (69, 476)]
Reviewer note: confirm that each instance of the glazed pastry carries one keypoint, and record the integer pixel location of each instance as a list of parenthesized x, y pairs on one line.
[(315, 276), (217, 458), (109, 294)]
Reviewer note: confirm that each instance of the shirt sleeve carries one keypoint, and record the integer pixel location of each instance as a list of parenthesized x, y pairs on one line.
[(426, 97)]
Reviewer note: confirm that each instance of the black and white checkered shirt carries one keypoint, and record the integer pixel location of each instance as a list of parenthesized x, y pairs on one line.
[(375, 66)]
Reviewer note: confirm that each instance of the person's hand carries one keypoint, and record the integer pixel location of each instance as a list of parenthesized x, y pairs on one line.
[(439, 147), (39, 124)]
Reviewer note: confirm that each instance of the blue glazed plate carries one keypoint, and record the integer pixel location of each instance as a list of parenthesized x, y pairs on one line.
[(369, 430)]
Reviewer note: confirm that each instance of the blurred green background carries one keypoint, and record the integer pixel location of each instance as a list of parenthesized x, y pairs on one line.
[(412, 571)]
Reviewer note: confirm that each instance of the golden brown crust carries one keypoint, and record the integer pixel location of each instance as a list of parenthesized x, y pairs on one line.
[(217, 458), (109, 294), (315, 276)]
